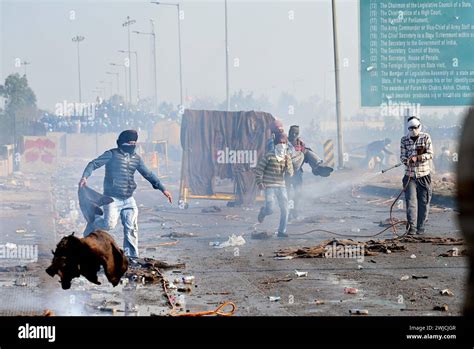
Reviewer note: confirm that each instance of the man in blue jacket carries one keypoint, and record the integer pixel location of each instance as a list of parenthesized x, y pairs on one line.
[(120, 166)]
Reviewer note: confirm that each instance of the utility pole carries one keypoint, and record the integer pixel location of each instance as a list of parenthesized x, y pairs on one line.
[(117, 77), (340, 140), (136, 68), (24, 64), (79, 39), (124, 76), (226, 61), (153, 37), (127, 24)]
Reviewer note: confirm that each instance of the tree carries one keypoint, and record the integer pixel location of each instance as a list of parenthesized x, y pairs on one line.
[(20, 108)]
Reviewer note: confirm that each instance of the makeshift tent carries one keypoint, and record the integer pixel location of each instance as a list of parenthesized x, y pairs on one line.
[(225, 145)]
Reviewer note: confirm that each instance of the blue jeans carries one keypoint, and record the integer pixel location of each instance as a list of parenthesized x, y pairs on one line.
[(418, 196), (128, 211), (281, 195)]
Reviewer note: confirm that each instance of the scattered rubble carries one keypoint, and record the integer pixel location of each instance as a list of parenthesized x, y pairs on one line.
[(446, 292), (301, 273), (358, 312), (350, 290), (233, 240), (443, 307), (370, 248), (455, 253), (416, 277)]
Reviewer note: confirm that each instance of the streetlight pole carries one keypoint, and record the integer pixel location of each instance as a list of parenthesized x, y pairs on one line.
[(117, 76), (136, 68), (226, 60), (340, 141), (127, 24), (103, 82), (179, 46), (24, 64), (124, 76), (79, 39), (154, 61)]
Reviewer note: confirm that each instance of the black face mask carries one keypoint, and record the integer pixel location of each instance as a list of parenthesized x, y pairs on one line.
[(128, 148)]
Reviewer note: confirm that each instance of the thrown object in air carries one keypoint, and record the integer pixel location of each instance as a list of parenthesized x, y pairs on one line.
[(316, 164), (75, 256)]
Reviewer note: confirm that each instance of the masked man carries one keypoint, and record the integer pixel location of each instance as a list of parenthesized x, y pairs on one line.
[(416, 153), (378, 149), (270, 176), (119, 184), (277, 128), (301, 154)]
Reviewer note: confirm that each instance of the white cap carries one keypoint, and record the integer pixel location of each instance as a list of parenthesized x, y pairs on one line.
[(413, 123)]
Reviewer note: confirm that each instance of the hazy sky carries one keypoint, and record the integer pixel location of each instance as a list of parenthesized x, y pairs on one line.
[(278, 50), (280, 46)]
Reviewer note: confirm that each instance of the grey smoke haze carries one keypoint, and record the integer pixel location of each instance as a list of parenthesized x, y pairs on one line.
[(275, 52)]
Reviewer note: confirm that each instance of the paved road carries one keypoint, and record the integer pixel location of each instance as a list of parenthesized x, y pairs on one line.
[(246, 275)]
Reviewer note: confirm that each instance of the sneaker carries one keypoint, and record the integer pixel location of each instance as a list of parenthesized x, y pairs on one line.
[(261, 215), (411, 231), (421, 231), (282, 235)]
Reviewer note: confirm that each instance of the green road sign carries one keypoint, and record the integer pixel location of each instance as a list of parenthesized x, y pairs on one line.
[(417, 52)]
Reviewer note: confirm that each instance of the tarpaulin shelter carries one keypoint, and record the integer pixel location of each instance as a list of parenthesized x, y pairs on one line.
[(222, 144)]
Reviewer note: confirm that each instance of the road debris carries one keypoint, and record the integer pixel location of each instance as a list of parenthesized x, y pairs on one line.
[(358, 312), (48, 312), (274, 298), (455, 253), (283, 258), (416, 277), (318, 302), (188, 279), (446, 292), (350, 290), (432, 240), (443, 307), (404, 278), (413, 256), (301, 273), (369, 248), (233, 240)]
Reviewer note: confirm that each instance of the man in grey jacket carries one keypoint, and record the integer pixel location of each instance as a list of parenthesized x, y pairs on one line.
[(120, 166)]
